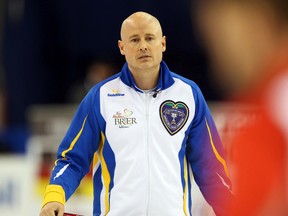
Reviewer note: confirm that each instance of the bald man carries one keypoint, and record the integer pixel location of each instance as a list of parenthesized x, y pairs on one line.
[(141, 129)]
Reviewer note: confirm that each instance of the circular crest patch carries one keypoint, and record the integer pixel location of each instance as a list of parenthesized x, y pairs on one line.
[(173, 115)]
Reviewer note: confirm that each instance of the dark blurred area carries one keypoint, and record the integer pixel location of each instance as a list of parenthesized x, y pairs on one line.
[(47, 46)]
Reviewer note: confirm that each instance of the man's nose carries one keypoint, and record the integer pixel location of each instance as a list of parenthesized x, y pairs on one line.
[(143, 46)]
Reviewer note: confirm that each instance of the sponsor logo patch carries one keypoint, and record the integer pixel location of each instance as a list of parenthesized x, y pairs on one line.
[(124, 119), (115, 93), (173, 115)]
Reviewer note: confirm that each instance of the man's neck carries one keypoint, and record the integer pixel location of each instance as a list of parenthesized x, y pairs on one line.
[(146, 79)]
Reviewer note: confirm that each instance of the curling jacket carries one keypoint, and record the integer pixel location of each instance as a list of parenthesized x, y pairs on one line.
[(142, 146)]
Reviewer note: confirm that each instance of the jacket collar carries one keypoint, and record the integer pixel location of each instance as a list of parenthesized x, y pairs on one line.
[(165, 79)]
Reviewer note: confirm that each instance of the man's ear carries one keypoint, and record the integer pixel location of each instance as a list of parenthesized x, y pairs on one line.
[(121, 47), (163, 43)]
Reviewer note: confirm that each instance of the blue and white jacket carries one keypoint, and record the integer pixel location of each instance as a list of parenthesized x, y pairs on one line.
[(141, 146)]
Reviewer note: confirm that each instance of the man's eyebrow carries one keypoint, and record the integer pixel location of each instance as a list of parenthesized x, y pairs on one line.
[(133, 36), (153, 35), (136, 35)]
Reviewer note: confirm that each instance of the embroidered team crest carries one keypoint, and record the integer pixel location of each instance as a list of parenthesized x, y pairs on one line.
[(173, 115)]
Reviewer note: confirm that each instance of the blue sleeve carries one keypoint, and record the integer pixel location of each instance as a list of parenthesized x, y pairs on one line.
[(206, 157), (77, 148)]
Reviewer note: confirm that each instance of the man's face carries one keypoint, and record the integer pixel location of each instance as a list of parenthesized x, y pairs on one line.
[(142, 44)]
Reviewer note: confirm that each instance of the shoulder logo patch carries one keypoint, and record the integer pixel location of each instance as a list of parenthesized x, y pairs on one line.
[(115, 93), (173, 115)]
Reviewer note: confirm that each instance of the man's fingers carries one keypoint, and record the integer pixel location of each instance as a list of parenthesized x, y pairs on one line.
[(52, 209), (60, 212)]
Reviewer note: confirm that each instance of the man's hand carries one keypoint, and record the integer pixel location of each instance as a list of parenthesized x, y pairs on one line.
[(50, 208)]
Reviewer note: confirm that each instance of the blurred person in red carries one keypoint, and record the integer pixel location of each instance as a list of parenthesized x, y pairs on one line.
[(247, 42)]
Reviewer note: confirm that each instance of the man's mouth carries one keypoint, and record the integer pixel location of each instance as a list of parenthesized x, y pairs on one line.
[(144, 56)]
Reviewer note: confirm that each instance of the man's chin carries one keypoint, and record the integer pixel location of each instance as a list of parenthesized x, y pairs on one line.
[(145, 65)]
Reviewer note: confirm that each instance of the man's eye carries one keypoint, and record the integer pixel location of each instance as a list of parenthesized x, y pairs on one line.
[(150, 38), (134, 40)]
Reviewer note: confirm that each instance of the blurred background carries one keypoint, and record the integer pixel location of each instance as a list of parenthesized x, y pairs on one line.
[(53, 52)]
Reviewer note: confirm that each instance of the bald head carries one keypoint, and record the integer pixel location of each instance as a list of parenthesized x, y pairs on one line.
[(138, 20), (142, 43)]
